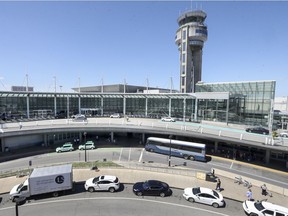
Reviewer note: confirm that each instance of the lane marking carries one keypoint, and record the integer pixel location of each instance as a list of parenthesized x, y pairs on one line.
[(141, 155), (231, 165), (120, 155)]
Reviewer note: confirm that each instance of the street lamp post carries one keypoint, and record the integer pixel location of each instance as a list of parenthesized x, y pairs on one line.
[(85, 133), (169, 161)]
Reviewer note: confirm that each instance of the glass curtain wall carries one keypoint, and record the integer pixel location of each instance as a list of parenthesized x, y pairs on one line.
[(249, 102)]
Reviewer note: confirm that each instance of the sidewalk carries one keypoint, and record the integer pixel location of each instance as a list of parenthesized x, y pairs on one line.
[(175, 177)]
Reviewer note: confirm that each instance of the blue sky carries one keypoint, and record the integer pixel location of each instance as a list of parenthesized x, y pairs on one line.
[(132, 40)]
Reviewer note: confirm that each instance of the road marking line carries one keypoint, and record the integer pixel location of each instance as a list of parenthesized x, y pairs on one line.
[(231, 165), (141, 156), (120, 155)]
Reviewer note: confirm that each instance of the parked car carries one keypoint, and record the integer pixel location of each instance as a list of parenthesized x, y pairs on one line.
[(263, 208), (284, 134), (102, 183), (79, 117), (204, 195), (168, 119), (259, 130), (64, 148), (152, 187), (88, 145), (115, 115)]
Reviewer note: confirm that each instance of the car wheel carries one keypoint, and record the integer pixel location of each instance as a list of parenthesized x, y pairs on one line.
[(215, 205), (162, 194), (191, 158), (91, 189), (59, 151), (190, 199), (253, 214), (70, 150), (139, 193), (55, 194), (249, 131), (112, 190)]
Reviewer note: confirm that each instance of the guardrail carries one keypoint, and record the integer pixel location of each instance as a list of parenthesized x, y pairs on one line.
[(188, 127)]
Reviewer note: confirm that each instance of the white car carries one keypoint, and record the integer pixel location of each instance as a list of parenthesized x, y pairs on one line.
[(102, 183), (88, 145), (115, 115), (284, 134), (204, 195), (168, 119), (79, 117), (262, 208)]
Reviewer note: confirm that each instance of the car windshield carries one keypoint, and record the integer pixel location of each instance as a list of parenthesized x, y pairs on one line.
[(116, 180), (146, 185), (20, 186), (215, 194), (259, 206), (196, 190), (96, 179)]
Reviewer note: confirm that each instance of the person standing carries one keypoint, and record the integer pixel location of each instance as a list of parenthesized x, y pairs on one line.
[(249, 195), (218, 184), (264, 189)]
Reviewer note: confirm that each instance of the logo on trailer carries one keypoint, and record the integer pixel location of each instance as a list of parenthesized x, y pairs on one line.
[(59, 179)]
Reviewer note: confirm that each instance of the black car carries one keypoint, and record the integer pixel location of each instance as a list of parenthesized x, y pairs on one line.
[(259, 130), (152, 187)]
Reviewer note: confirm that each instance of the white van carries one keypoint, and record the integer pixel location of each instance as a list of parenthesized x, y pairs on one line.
[(263, 208)]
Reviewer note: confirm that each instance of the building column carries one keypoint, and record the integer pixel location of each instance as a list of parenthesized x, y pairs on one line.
[(184, 110), (124, 105), (112, 136), (170, 106), (27, 104), (79, 104), (102, 103), (146, 107), (215, 147), (45, 140), (196, 109), (267, 156), (55, 105), (227, 111), (68, 108), (143, 139)]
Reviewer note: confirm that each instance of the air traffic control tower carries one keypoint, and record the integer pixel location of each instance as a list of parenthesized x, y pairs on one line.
[(190, 38)]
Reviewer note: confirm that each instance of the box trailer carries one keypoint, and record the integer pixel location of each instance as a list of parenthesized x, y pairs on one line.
[(53, 179)]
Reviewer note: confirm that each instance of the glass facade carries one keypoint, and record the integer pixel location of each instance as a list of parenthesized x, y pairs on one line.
[(249, 102)]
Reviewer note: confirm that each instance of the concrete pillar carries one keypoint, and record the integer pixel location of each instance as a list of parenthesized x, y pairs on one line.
[(45, 140), (102, 104), (143, 138), (112, 136), (215, 147), (28, 108), (267, 156), (68, 108)]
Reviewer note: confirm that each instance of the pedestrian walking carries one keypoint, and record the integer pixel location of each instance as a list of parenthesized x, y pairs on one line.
[(218, 184), (264, 189), (249, 195)]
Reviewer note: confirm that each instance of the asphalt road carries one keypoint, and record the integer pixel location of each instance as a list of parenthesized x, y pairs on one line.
[(137, 155), (122, 203)]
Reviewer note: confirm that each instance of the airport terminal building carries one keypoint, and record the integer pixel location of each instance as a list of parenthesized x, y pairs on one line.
[(246, 103)]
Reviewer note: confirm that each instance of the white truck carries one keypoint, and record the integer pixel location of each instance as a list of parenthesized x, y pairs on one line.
[(53, 179)]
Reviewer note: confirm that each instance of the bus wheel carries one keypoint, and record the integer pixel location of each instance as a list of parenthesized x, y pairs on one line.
[(191, 158)]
